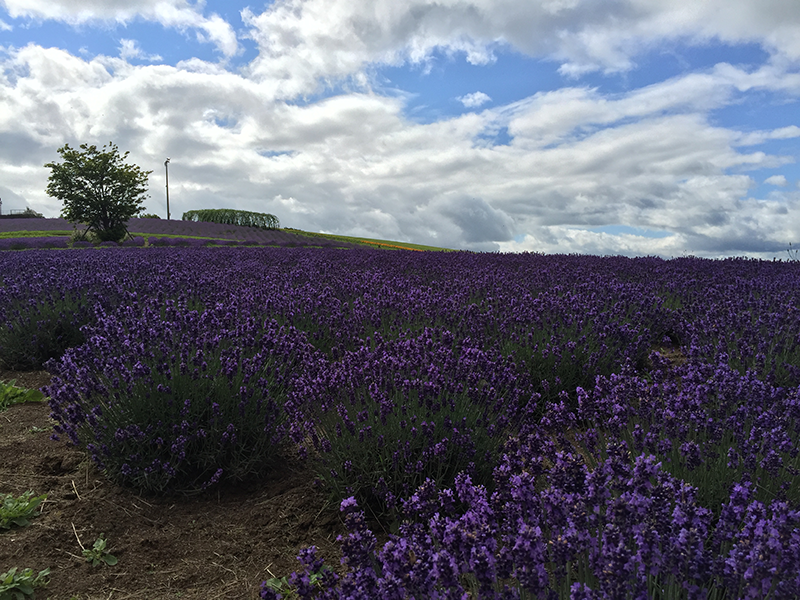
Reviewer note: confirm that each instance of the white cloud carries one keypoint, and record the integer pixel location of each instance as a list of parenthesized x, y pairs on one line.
[(178, 14), (5, 26), (565, 240), (474, 100), (354, 164), (759, 137), (778, 180), (129, 49), (305, 42), (578, 158)]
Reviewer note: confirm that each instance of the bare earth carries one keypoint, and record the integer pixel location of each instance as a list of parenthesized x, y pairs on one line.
[(221, 545)]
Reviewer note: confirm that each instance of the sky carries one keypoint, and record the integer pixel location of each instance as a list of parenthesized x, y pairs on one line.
[(607, 127)]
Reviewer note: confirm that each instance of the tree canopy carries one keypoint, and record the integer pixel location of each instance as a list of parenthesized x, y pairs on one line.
[(229, 216), (98, 189)]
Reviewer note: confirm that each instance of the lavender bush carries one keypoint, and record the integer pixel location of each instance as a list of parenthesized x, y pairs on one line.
[(193, 398), (625, 529), (387, 417), (710, 425), (37, 329)]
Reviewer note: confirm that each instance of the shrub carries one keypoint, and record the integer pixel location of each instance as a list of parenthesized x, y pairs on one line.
[(38, 329), (137, 241), (179, 404), (384, 419), (51, 242), (710, 425), (625, 529)]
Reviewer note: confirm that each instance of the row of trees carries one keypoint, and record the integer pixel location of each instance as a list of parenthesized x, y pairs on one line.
[(229, 216), (100, 190)]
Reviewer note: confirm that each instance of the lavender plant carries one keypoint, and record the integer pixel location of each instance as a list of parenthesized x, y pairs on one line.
[(193, 398), (625, 529), (666, 477), (387, 417), (710, 425), (37, 329)]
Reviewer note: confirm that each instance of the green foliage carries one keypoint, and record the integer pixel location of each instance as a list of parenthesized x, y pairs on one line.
[(229, 216), (98, 189), (36, 330), (10, 394), (149, 216), (288, 591), (19, 511), (81, 235), (5, 235), (15, 586), (97, 554)]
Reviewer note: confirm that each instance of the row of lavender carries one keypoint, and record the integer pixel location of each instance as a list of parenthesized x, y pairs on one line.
[(278, 240), (506, 412), (157, 232)]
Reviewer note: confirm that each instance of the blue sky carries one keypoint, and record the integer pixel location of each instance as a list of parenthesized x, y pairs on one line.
[(633, 127)]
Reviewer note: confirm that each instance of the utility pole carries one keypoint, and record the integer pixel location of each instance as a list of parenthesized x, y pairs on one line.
[(166, 166), (1, 206)]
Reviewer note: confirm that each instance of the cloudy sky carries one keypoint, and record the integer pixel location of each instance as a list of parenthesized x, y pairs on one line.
[(633, 127)]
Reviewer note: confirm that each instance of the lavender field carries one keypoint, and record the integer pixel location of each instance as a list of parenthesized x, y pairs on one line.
[(525, 426), (26, 234)]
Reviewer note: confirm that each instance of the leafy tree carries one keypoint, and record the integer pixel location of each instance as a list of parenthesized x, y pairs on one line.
[(98, 189)]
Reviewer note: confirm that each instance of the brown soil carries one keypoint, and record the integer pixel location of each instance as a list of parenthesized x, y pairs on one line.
[(220, 545)]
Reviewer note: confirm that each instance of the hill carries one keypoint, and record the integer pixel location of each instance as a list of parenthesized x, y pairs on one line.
[(49, 233)]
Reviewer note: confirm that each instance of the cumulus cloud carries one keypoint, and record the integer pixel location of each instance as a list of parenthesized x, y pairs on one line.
[(577, 159), (129, 49), (178, 14), (474, 100), (305, 42), (5, 26), (354, 164), (778, 180)]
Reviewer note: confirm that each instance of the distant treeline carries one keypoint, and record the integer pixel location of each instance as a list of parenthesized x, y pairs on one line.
[(28, 213), (229, 216)]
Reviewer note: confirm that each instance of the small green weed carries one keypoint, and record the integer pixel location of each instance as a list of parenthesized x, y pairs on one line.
[(287, 591), (14, 586), (98, 553), (10, 394), (18, 511)]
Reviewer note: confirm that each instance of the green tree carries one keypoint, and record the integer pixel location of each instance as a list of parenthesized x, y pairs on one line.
[(98, 189)]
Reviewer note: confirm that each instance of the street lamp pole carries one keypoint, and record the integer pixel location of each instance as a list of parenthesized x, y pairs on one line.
[(166, 167)]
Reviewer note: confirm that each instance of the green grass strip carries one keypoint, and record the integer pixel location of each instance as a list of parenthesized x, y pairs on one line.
[(368, 242), (5, 235)]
